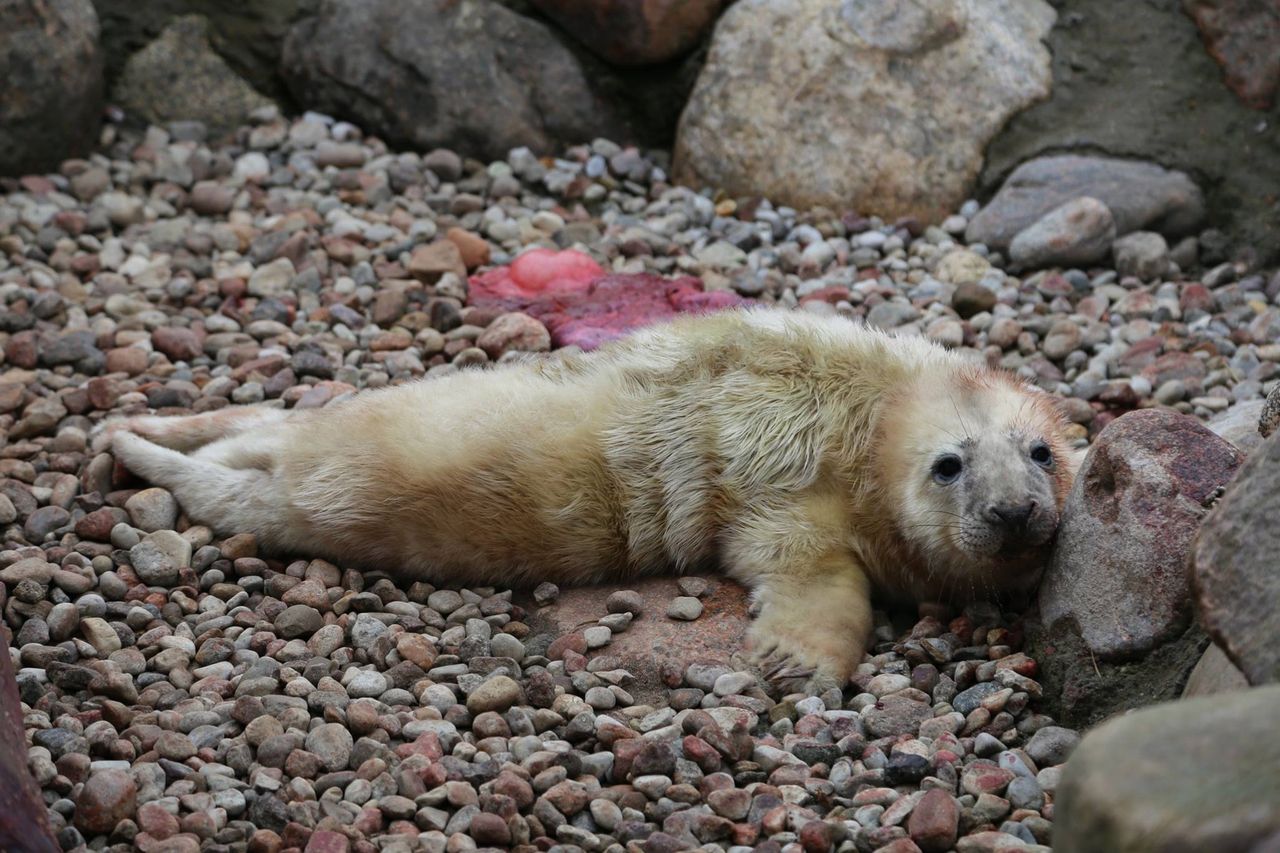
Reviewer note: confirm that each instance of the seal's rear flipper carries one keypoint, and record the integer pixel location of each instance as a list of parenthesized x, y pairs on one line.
[(226, 499), (188, 432)]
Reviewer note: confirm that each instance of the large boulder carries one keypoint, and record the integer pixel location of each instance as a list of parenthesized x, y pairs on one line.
[(247, 35), (179, 76), (634, 32), (1139, 196), (51, 97), (1183, 777), (1234, 569), (859, 104), (1244, 37), (465, 74), (1115, 612), (1120, 72)]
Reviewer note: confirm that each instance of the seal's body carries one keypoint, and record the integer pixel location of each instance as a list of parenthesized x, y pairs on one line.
[(809, 458)]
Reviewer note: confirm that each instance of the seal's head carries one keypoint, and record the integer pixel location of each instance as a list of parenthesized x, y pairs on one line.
[(979, 465)]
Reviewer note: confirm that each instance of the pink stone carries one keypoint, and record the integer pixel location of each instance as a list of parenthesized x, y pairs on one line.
[(535, 273), (548, 271), (324, 841)]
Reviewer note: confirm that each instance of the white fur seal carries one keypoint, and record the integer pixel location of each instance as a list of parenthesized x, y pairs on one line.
[(809, 458)]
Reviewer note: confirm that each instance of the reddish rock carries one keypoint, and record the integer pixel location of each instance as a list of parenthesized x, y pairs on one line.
[(265, 841), (178, 343), (389, 306), (156, 821), (985, 777), (934, 822), (429, 263), (1236, 584), (108, 797), (1244, 37), (129, 360), (1195, 297), (1174, 365), (325, 841), (97, 525), (571, 642), (514, 332), (634, 32), (22, 350), (1118, 571), (11, 394), (102, 392), (590, 311), (815, 837), (489, 830), (473, 248), (569, 797)]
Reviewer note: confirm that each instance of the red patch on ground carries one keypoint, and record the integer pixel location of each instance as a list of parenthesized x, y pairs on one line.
[(580, 304)]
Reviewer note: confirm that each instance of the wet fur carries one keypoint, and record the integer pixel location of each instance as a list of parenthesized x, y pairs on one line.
[(789, 450)]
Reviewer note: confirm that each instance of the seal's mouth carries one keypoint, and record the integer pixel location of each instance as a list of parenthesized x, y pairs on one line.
[(1024, 547)]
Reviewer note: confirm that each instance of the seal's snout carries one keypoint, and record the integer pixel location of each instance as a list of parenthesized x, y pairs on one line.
[(1015, 519), (1020, 526)]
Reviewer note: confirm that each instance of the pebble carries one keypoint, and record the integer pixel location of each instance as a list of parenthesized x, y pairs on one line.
[(685, 608)]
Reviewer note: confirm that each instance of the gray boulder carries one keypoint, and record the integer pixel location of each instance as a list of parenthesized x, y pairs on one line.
[(1115, 624), (51, 97), (1139, 196), (1182, 777), (465, 74), (1234, 569), (858, 104), (179, 77)]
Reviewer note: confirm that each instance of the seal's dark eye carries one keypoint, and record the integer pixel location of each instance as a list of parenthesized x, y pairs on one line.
[(1042, 455), (947, 469)]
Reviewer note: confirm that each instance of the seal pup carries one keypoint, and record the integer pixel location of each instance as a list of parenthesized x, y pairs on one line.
[(811, 459)]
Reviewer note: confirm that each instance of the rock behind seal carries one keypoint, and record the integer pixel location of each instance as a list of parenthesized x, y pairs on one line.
[(466, 74), (634, 32), (856, 105), (1116, 628)]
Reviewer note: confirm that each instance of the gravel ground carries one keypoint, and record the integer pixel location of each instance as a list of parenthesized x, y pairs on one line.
[(184, 692)]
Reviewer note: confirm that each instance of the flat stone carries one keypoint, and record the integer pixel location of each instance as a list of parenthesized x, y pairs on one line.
[(1077, 233), (1137, 194), (1237, 587), (1197, 774)]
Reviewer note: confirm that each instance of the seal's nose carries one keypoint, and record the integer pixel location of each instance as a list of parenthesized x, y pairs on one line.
[(1013, 517)]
